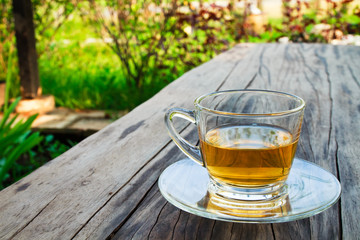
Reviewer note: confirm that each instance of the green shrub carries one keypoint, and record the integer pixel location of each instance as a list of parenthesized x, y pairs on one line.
[(145, 50), (15, 139)]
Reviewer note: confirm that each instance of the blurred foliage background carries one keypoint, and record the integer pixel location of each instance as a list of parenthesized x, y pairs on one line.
[(116, 54)]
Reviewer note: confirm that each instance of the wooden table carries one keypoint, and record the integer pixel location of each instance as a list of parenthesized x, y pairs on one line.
[(106, 186)]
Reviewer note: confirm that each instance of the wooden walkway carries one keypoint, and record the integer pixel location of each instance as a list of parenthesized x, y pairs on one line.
[(65, 121), (81, 123)]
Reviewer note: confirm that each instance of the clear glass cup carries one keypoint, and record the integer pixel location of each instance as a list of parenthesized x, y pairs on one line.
[(248, 140)]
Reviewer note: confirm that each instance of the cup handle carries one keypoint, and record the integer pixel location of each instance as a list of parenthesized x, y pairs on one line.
[(190, 150)]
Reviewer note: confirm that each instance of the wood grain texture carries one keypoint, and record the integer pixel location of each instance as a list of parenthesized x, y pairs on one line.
[(106, 186)]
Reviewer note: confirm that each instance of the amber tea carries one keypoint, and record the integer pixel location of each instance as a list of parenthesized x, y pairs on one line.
[(248, 140), (248, 155)]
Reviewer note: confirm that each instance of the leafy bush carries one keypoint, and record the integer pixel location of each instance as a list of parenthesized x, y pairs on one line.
[(15, 139), (156, 42), (148, 44), (150, 52), (300, 19)]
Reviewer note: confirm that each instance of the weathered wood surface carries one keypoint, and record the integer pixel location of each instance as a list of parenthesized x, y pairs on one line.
[(106, 186)]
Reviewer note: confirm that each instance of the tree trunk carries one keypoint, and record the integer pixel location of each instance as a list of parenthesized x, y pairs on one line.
[(25, 43)]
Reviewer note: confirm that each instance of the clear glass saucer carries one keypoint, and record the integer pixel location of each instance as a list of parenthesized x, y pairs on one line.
[(311, 190)]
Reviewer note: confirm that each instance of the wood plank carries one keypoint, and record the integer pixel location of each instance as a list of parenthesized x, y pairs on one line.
[(298, 70), (73, 187), (127, 199), (344, 88), (312, 142)]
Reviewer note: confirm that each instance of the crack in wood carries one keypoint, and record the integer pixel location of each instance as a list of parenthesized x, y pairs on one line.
[(273, 231), (227, 76), (28, 223), (313, 88), (353, 76), (251, 81), (338, 177), (336, 51), (231, 230), (113, 195), (262, 65), (305, 127), (122, 223), (141, 200), (116, 192), (157, 217), (212, 229), (323, 60), (177, 221)]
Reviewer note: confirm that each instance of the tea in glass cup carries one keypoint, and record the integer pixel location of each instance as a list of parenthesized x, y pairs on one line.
[(248, 141)]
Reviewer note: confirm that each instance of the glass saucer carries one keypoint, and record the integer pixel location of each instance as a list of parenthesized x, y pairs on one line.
[(311, 190)]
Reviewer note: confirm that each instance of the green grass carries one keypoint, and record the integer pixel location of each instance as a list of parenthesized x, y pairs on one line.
[(90, 77), (83, 75), (86, 77)]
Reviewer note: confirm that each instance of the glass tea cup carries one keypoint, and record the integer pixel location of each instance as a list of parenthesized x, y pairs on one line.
[(248, 140)]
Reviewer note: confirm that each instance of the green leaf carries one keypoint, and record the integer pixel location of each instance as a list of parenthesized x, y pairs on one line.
[(25, 146), (15, 139), (8, 112)]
